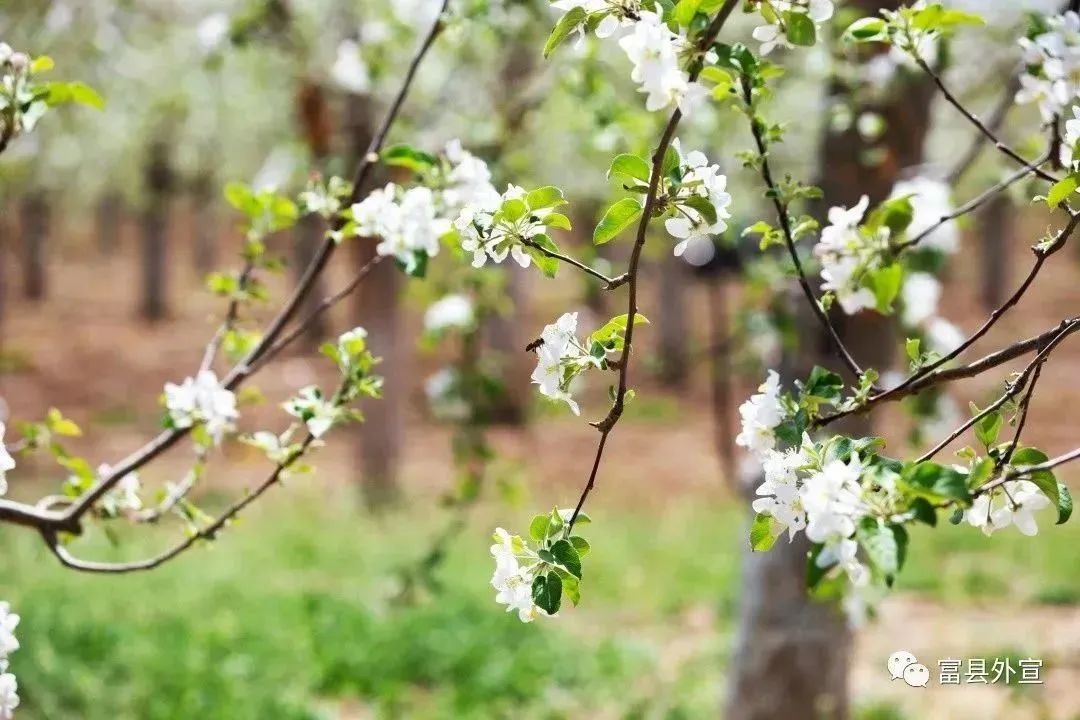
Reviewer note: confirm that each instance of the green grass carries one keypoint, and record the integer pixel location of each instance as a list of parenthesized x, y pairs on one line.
[(290, 616)]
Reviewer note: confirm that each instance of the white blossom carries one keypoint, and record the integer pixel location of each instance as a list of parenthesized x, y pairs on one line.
[(1015, 503), (761, 414), (8, 642), (274, 446), (930, 204), (349, 71), (309, 405), (942, 336), (843, 252), (125, 495), (451, 311), (9, 696), (6, 462), (202, 400), (833, 501), (701, 180), (212, 31), (559, 358), (654, 50), (468, 182), (513, 582), (780, 498), (840, 278), (488, 240), (1053, 62), (771, 35), (920, 294), (407, 222), (1072, 136)]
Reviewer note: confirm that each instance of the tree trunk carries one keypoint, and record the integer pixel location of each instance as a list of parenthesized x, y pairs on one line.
[(109, 211), (792, 653), (378, 309), (35, 232), (503, 334), (995, 224), (206, 232), (673, 325), (153, 305), (307, 236)]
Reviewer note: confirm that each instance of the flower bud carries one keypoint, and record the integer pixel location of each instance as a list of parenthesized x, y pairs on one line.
[(20, 61)]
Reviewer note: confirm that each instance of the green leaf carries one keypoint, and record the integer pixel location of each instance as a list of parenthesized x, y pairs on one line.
[(631, 166), (42, 63), (762, 537), (409, 157), (581, 545), (615, 328), (671, 161), (988, 428), (514, 209), (538, 528), (913, 350), (565, 554), (881, 545), (547, 592), (936, 482), (1062, 189), (800, 29), (571, 586), (924, 512), (617, 218), (557, 221), (1064, 503), (685, 11), (866, 29), (566, 25), (824, 385), (548, 196), (885, 283), (547, 264), (703, 207)]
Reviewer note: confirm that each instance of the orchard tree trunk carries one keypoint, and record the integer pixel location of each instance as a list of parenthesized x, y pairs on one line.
[(793, 653), (673, 325), (35, 232), (307, 236), (995, 224), (206, 232), (153, 305), (109, 211), (378, 309), (506, 339), (313, 118)]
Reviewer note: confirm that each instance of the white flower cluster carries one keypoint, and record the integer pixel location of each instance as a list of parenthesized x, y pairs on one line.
[(124, 497), (560, 358), (317, 413), (449, 312), (512, 580), (1072, 137), (405, 220), (9, 697), (761, 415), (17, 61), (844, 252), (413, 221), (772, 34), (848, 252), (202, 399), (6, 462), (700, 180), (654, 50), (1053, 61), (827, 502), (488, 239), (1013, 503)]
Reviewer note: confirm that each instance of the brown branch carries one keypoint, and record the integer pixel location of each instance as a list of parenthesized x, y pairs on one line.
[(976, 202), (907, 387), (979, 124)]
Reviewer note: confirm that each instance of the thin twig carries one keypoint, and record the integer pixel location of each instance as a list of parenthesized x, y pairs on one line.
[(606, 425)]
